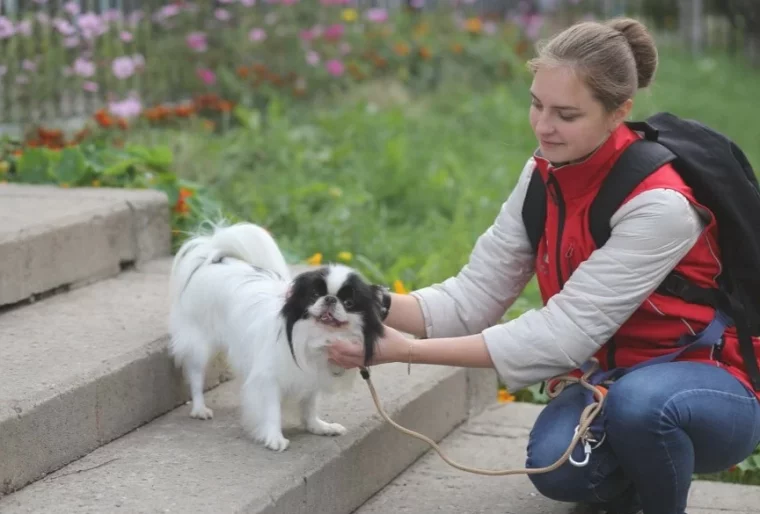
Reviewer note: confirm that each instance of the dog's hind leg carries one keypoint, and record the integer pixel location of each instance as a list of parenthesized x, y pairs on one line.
[(192, 352), (262, 411)]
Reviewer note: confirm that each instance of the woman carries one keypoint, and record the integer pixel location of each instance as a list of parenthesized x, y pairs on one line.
[(663, 422)]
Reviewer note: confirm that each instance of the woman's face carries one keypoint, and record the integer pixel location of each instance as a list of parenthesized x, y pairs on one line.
[(569, 123)]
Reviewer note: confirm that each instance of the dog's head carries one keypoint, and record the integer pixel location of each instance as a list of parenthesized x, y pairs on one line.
[(335, 298)]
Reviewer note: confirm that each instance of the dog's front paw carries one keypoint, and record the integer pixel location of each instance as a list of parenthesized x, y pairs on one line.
[(319, 427), (276, 443), (201, 412)]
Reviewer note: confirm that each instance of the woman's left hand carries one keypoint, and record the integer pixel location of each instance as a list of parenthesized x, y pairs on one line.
[(348, 354)]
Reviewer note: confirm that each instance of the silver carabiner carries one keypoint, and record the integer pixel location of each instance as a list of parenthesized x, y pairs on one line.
[(587, 451)]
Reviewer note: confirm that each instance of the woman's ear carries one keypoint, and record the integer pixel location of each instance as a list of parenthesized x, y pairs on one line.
[(620, 114)]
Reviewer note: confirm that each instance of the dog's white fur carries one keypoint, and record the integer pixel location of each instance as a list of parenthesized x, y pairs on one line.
[(221, 301)]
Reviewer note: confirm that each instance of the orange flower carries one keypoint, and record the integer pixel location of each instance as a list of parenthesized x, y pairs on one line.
[(315, 260), (225, 106), (181, 206), (425, 53), (457, 48), (103, 118), (473, 25), (242, 72), (184, 110), (505, 396), (379, 62), (398, 287), (122, 123), (401, 49)]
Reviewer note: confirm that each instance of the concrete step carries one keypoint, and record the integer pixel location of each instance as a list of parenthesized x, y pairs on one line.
[(82, 368), (52, 237), (179, 464), (497, 439)]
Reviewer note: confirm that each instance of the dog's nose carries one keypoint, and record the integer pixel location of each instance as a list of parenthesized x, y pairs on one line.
[(331, 300)]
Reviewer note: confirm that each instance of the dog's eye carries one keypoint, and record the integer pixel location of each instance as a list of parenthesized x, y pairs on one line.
[(315, 295), (348, 303)]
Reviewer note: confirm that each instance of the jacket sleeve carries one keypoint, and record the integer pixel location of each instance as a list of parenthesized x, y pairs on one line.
[(499, 267), (650, 234)]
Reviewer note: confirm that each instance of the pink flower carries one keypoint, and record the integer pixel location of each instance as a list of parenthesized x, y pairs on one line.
[(139, 61), (91, 25), (312, 57), (334, 32), (197, 41), (207, 76), (126, 36), (376, 15), (83, 67), (90, 86), (248, 3), (71, 42), (64, 27), (24, 28), (71, 7), (128, 108), (222, 14), (307, 35), (123, 67), (288, 2), (335, 68), (6, 28), (28, 65), (257, 35)]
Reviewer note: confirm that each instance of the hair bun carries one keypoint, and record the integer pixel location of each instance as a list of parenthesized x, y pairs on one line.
[(643, 47)]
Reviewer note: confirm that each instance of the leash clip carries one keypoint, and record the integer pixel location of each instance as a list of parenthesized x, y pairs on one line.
[(587, 449)]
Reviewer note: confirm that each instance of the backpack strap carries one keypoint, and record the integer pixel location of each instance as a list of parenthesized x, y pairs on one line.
[(642, 158), (534, 209)]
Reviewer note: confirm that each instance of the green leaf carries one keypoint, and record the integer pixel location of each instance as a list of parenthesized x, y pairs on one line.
[(71, 167), (34, 166)]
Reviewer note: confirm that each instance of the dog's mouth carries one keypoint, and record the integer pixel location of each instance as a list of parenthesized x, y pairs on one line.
[(328, 319)]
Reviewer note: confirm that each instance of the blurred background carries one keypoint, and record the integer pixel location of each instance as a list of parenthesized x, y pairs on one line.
[(384, 134)]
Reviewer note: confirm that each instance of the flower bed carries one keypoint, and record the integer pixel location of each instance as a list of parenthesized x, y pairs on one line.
[(244, 51)]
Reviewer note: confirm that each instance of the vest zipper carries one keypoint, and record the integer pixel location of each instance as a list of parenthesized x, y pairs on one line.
[(559, 201)]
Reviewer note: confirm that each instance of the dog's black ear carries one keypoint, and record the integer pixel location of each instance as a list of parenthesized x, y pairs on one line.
[(373, 330)]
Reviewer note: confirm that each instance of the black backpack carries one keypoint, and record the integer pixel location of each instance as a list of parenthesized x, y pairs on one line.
[(721, 179)]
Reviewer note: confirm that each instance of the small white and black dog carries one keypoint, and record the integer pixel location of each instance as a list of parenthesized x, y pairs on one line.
[(231, 291)]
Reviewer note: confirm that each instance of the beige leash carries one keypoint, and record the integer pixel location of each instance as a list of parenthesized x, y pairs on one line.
[(581, 434)]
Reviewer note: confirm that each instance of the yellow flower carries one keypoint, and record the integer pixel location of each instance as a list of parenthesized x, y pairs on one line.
[(64, 185), (398, 287), (505, 397), (96, 183), (315, 260), (4, 167), (349, 15), (473, 25), (345, 256)]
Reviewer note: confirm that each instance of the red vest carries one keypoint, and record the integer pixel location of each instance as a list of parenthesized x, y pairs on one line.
[(660, 321)]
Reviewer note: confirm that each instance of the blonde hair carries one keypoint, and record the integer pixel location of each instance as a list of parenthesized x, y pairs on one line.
[(614, 58)]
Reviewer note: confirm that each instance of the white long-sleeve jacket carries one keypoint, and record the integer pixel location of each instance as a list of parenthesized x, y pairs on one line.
[(650, 234)]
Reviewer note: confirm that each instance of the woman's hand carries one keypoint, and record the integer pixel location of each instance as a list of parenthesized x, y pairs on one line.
[(393, 347)]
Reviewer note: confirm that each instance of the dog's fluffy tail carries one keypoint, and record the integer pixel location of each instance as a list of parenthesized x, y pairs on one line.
[(245, 241)]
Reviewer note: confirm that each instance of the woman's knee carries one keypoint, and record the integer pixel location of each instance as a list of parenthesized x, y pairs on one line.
[(549, 440), (567, 482)]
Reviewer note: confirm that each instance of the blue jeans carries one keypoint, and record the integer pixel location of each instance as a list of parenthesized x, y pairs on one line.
[(663, 423)]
